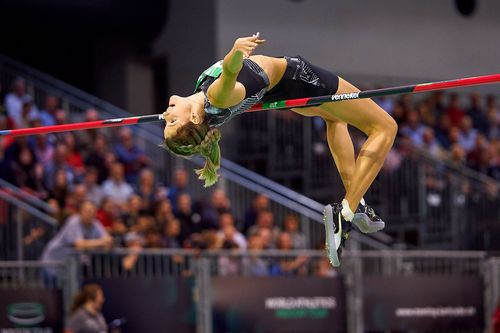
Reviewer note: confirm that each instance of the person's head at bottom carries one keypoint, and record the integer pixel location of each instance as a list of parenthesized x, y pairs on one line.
[(187, 133), (91, 297)]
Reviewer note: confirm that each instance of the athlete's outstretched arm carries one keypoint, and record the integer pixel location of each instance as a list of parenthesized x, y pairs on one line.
[(226, 91)]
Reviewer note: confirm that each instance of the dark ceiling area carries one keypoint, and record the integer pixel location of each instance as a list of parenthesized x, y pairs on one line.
[(62, 37)]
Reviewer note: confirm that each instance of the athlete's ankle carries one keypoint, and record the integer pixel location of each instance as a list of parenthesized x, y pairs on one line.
[(346, 211)]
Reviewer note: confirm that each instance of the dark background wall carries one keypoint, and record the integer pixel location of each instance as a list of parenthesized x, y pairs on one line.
[(124, 51)]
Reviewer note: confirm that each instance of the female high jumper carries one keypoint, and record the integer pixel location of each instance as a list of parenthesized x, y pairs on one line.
[(239, 81)]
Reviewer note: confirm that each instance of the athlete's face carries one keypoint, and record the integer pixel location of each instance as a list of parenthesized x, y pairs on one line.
[(180, 111)]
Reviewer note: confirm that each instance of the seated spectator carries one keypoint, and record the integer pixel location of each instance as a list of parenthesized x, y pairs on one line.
[(23, 169), (288, 266), (442, 131), (179, 185), (107, 213), (94, 191), (115, 186), (260, 203), (58, 163), (210, 212), (29, 113), (153, 238), (265, 220), (14, 101), (324, 269), (132, 210), (426, 114), (135, 243), (171, 232), (76, 197), (231, 237), (81, 231), (47, 115), (477, 114), (44, 150), (130, 155), (454, 111), (163, 212), (413, 128), (61, 188), (96, 158), (254, 265), (86, 316), (467, 137), (291, 226), (147, 189), (431, 145), (87, 138), (457, 157), (493, 115), (74, 158), (190, 221)]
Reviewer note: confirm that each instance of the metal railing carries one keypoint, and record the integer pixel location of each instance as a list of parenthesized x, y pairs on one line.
[(24, 230), (239, 182), (206, 265), (425, 201), (356, 266)]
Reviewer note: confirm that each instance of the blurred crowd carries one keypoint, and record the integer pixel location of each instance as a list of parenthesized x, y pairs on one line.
[(466, 134), (102, 176), (108, 171)]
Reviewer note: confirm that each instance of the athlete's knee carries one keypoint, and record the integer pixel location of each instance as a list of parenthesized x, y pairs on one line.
[(392, 127)]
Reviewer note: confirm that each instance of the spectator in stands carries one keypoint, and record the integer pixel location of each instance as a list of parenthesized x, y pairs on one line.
[(135, 243), (23, 169), (86, 316), (477, 114), (61, 188), (29, 113), (107, 212), (146, 188), (260, 203), (14, 101), (291, 226), (190, 222), (163, 212), (413, 128), (442, 130), (457, 157), (61, 117), (94, 191), (254, 265), (96, 158), (228, 232), (87, 138), (266, 235), (77, 196), (130, 155), (453, 137), (179, 185), (132, 210), (44, 150), (323, 268), (74, 158), (493, 115), (115, 186), (431, 145), (399, 113), (467, 137), (426, 114), (265, 220), (454, 111), (47, 115), (210, 212), (58, 163), (171, 232), (81, 231), (288, 266)]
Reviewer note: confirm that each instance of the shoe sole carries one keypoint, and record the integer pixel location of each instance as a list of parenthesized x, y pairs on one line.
[(333, 238), (365, 225)]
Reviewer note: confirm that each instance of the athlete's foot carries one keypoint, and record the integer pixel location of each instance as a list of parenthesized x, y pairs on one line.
[(366, 220), (337, 232)]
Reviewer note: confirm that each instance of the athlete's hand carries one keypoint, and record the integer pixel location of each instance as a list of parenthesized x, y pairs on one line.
[(246, 45)]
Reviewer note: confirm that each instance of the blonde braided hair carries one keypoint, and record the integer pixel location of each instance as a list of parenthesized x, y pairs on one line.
[(199, 139)]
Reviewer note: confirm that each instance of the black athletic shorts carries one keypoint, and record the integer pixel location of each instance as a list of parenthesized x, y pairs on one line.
[(302, 79)]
